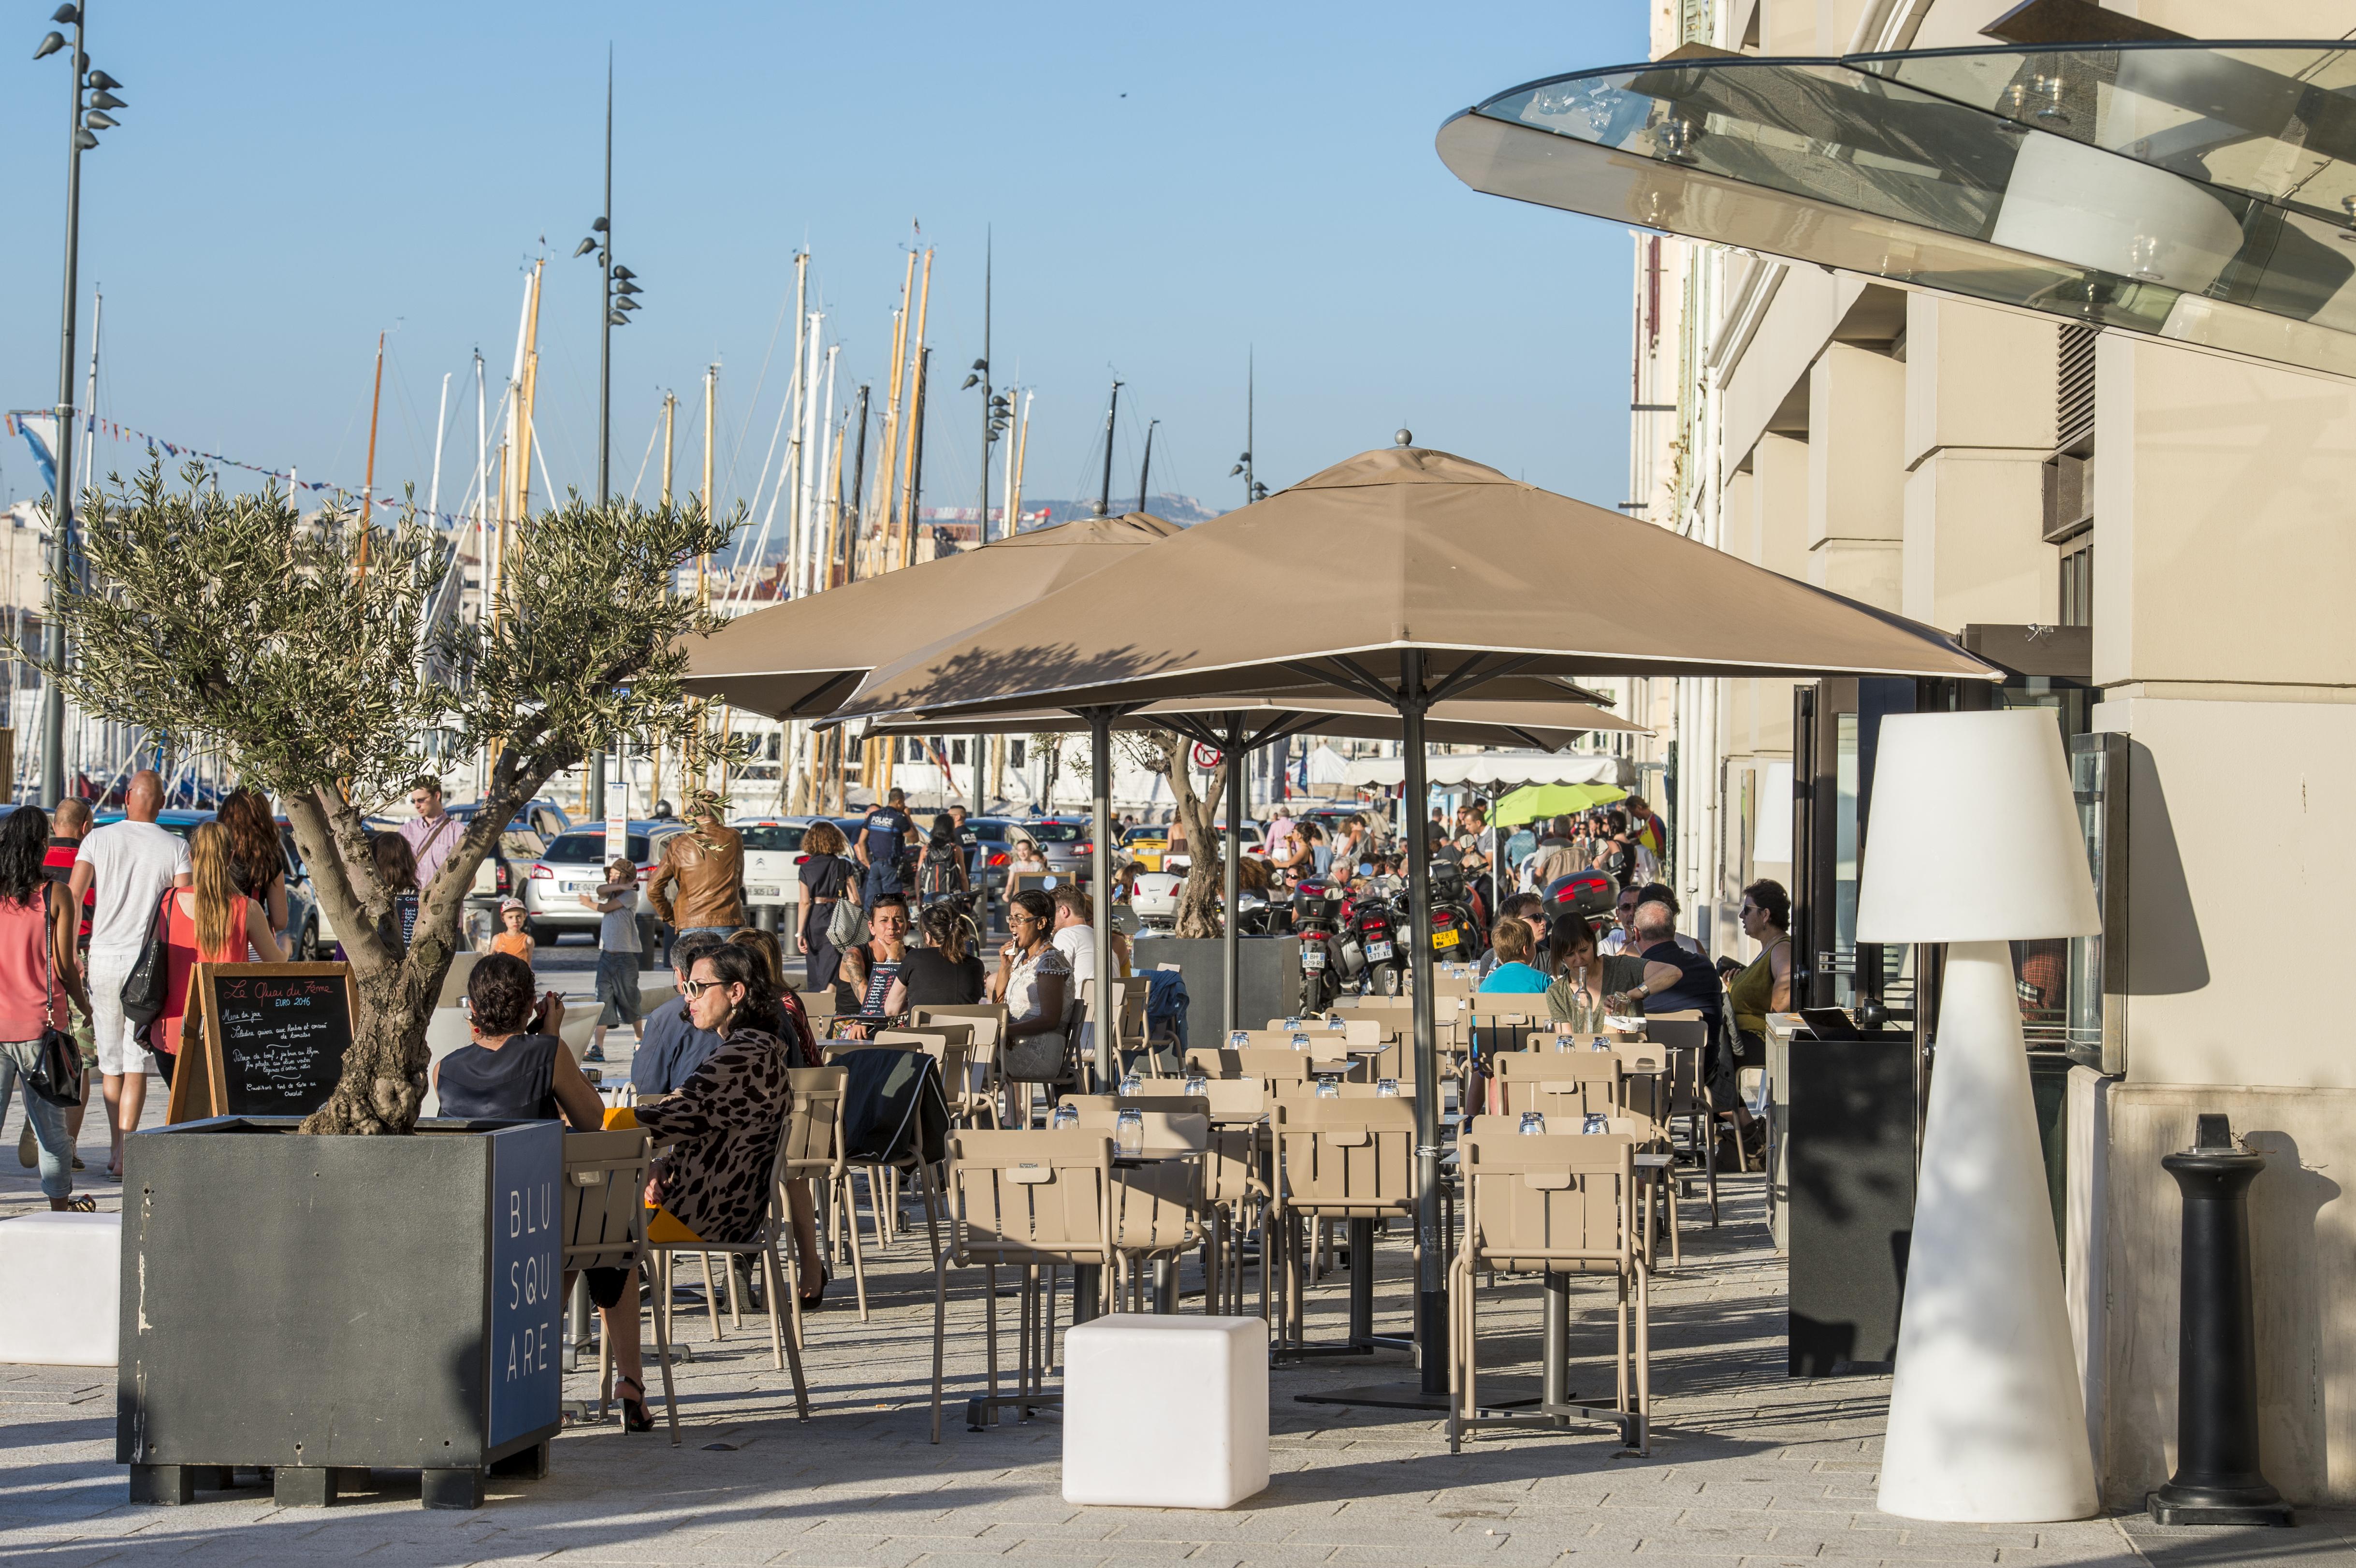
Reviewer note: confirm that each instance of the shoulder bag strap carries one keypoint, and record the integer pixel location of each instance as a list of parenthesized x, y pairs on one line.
[(49, 958)]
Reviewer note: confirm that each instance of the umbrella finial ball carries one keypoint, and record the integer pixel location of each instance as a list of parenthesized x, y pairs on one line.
[(1403, 437)]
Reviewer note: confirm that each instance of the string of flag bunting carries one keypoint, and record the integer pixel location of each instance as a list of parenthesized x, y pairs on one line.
[(38, 428)]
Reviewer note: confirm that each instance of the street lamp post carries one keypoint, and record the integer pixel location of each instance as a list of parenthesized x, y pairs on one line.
[(996, 412), (82, 125), (615, 300)]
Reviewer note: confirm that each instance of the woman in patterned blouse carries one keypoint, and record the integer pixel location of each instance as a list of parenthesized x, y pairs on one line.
[(713, 1184)]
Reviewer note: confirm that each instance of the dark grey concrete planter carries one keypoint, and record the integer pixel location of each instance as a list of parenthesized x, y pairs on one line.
[(1267, 971), (324, 1305)]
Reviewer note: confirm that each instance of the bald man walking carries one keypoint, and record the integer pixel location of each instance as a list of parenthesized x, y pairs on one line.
[(130, 864)]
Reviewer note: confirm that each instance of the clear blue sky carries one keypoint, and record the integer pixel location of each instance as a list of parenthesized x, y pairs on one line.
[(1169, 188)]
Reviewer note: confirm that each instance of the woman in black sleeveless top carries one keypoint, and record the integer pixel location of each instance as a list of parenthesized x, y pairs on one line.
[(513, 1073)]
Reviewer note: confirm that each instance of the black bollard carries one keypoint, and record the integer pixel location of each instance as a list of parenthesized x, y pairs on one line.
[(2217, 1478)]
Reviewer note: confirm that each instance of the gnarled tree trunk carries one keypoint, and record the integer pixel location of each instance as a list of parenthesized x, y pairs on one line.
[(383, 1086)]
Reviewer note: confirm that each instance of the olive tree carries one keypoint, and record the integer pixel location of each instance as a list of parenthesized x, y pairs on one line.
[(317, 656), (1202, 897)]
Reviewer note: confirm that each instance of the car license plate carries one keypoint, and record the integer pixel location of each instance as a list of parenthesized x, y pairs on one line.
[(1443, 939), (1312, 958), (1378, 951), (761, 892), (570, 887)]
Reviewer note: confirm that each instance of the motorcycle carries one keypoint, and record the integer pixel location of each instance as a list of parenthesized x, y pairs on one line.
[(1374, 919), (1454, 934), (1324, 968)]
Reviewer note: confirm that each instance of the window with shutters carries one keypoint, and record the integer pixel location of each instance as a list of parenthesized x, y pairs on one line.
[(2070, 478)]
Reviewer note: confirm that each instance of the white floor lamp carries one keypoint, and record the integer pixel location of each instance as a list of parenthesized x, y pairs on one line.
[(1973, 840)]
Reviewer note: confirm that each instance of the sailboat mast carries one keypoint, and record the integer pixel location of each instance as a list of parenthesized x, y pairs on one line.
[(711, 415), (1104, 492), (671, 431), (809, 458), (797, 456), (918, 360), (482, 487), (367, 479), (1022, 453), (858, 489), (1145, 469), (988, 258)]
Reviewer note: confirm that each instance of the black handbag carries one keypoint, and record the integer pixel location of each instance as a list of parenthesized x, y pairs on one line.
[(144, 988), (59, 1077)]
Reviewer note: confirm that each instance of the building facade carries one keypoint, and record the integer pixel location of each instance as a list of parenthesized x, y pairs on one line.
[(2157, 538)]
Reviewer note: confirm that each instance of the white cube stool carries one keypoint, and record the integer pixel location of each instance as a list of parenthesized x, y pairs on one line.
[(1165, 1411), (61, 1308)]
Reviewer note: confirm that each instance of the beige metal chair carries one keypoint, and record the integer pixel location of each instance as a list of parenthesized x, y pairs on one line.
[(1338, 1159), (606, 1227), (1555, 1204), (974, 1101), (1686, 1037), (1559, 1083), (761, 1248), (1269, 1066), (813, 1153), (1157, 1207), (1355, 1029), (1029, 1200)]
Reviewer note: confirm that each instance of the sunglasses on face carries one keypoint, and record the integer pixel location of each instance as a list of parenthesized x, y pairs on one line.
[(697, 987)]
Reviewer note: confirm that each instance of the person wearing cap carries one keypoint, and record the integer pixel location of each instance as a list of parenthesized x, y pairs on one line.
[(699, 884), (513, 939)]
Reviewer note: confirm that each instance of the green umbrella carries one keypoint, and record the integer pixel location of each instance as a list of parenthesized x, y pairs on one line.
[(1533, 801)]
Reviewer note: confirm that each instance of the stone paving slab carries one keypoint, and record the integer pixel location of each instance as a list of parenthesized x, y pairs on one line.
[(1749, 1469)]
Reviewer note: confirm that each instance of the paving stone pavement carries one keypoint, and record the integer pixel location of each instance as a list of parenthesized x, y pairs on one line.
[(1749, 1467)]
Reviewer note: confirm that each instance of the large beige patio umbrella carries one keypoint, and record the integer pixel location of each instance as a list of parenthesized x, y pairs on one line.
[(1437, 577), (797, 659)]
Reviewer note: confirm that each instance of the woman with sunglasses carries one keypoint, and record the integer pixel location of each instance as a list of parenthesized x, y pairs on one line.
[(1034, 980), (713, 1184)]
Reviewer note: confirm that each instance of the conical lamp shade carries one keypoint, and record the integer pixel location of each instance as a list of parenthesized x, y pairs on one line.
[(1972, 833)]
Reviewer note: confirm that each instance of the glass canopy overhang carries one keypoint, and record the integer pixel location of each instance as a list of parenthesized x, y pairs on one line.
[(2199, 192)]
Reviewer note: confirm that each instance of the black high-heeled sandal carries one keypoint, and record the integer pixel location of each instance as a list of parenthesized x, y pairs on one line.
[(810, 1300), (635, 1416)]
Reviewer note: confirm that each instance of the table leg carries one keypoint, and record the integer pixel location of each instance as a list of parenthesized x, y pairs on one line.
[(1362, 1281), (1556, 1354), (1087, 1278), (1165, 1286)]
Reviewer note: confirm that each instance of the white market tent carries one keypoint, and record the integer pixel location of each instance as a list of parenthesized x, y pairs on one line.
[(1509, 769)]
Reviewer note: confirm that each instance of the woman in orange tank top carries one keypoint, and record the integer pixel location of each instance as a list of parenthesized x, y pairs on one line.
[(210, 922)]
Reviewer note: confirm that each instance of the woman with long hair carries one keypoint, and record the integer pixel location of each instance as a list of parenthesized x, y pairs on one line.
[(1583, 976), (827, 875), (1035, 981), (37, 973), (211, 920), (395, 861), (944, 972), (255, 851)]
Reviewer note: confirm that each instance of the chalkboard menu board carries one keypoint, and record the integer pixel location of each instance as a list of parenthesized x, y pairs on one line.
[(273, 1042)]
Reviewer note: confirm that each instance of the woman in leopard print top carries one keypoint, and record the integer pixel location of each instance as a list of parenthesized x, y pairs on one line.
[(713, 1182)]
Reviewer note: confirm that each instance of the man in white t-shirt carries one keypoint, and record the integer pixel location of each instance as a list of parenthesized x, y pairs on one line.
[(1075, 936), (130, 864), (1076, 939)]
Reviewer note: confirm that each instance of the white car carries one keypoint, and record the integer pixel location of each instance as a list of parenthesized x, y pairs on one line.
[(773, 866), (1156, 899)]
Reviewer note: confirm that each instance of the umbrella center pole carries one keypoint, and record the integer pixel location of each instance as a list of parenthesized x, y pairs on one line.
[(1431, 1244), (1104, 1018), (1231, 749)]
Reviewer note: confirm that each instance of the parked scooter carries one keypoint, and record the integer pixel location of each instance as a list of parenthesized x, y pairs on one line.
[(1317, 921), (1373, 920)]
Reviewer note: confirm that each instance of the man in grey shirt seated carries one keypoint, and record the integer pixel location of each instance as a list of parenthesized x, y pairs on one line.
[(673, 1046)]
